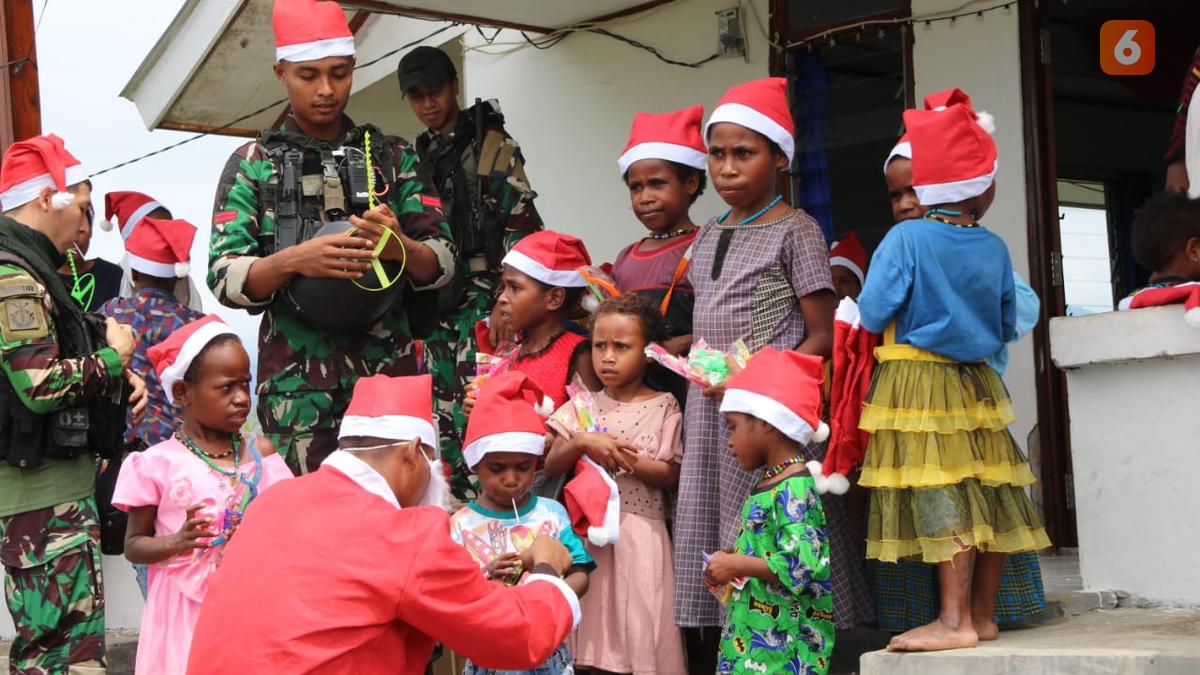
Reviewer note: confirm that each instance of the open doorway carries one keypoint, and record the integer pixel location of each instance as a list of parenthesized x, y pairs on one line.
[(1095, 154)]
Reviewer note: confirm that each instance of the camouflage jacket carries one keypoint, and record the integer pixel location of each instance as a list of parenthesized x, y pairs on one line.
[(293, 355), (44, 380), (498, 166)]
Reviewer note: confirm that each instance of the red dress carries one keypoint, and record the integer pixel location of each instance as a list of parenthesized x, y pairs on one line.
[(551, 367), (359, 586)]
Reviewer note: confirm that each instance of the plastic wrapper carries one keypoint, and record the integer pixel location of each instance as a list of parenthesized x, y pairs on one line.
[(724, 592)]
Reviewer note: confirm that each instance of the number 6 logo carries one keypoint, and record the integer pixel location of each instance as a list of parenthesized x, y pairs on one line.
[(1127, 47)]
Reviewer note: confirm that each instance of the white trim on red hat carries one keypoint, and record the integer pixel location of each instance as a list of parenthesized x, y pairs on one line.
[(849, 264), (750, 118), (390, 427), (672, 152), (956, 191), (524, 442), (28, 190), (902, 149), (315, 51), (191, 348), (154, 268), (535, 269), (768, 410), (138, 213)]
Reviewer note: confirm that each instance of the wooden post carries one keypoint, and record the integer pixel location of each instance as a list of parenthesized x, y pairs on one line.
[(20, 109)]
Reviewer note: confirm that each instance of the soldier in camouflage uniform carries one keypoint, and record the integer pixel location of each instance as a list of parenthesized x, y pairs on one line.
[(480, 173), (49, 526), (306, 374)]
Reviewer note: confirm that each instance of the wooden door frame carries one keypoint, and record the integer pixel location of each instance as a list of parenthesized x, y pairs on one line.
[(1045, 272)]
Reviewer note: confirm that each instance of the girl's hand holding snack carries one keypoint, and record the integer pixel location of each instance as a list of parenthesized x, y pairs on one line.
[(194, 534), (505, 567), (722, 569)]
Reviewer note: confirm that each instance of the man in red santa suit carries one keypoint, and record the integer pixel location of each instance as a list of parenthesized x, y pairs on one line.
[(351, 569)]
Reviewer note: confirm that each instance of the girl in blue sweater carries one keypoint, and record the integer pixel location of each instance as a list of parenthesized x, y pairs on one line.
[(946, 477)]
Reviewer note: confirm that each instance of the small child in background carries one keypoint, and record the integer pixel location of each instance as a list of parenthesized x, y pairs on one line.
[(186, 495), (1166, 241), (504, 442), (628, 615), (761, 274), (777, 575), (540, 288), (848, 266)]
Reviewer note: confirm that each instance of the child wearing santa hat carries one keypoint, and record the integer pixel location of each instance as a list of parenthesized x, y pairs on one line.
[(760, 274), (123, 210), (505, 439), (1166, 241), (628, 615), (154, 252), (186, 494), (848, 266), (780, 559), (906, 592), (972, 507)]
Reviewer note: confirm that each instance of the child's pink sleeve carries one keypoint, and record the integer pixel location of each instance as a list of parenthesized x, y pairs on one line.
[(564, 421), (274, 470), (140, 481), (671, 441)]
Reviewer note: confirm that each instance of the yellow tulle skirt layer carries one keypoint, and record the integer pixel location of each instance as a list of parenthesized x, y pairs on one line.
[(945, 471)]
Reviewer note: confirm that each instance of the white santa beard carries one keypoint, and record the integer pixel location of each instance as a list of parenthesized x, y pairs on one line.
[(437, 493)]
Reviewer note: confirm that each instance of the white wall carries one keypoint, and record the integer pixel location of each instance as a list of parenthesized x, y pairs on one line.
[(982, 57), (570, 108), (1133, 446)]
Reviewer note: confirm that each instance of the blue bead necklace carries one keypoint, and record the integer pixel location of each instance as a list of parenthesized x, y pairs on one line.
[(754, 216)]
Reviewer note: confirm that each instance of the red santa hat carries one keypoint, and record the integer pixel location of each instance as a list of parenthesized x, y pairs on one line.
[(783, 389), (392, 408), (36, 163), (1188, 294), (953, 157), (937, 102), (308, 30), (551, 257), (673, 136), (593, 501), (172, 357), (161, 248), (509, 416), (125, 209), (760, 105), (848, 252), (853, 364)]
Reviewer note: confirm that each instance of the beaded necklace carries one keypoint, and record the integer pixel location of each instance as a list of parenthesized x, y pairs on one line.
[(234, 449), (727, 234), (521, 354), (781, 467), (672, 234), (233, 512), (933, 214)]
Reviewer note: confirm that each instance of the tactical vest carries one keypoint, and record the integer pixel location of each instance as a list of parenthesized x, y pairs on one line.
[(28, 438), (315, 187)]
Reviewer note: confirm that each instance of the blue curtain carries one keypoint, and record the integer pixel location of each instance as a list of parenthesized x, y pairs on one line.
[(810, 170)]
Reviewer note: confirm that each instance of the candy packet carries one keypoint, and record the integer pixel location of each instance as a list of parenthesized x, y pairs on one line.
[(724, 592), (676, 364)]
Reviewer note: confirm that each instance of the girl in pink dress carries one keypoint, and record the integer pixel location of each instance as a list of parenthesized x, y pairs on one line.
[(186, 495), (628, 613)]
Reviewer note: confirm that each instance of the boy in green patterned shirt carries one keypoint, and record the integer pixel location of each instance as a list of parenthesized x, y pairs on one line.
[(775, 579)]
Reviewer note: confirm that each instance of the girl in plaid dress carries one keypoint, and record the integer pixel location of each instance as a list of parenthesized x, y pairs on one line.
[(760, 273)]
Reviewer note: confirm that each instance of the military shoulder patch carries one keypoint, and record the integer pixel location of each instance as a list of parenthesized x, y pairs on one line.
[(22, 316)]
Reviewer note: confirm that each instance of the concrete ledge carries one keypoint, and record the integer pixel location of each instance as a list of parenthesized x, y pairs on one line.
[(1151, 642), (1121, 337)]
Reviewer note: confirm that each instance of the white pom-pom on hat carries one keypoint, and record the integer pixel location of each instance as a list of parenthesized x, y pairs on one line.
[(838, 484), (182, 269), (590, 303), (598, 536), (819, 479), (987, 121), (546, 407), (105, 225), (820, 434)]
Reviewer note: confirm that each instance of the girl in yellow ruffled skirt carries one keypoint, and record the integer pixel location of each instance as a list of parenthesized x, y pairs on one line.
[(947, 479)]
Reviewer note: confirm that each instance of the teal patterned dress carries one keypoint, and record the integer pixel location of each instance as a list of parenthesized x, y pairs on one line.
[(784, 626)]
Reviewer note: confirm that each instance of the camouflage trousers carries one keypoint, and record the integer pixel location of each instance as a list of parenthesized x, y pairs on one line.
[(54, 589), (450, 353)]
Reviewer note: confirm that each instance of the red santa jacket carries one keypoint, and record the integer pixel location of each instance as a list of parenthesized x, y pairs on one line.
[(326, 577)]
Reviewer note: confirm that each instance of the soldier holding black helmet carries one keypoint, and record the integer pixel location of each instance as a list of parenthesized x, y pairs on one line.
[(325, 227), (480, 174)]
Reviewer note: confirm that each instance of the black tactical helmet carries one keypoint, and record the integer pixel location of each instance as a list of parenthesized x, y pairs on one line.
[(340, 305)]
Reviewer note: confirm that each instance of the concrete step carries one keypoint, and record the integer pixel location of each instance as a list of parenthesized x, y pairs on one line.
[(1125, 641)]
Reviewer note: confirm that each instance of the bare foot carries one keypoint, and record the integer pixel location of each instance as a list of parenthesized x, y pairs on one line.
[(933, 637), (985, 627)]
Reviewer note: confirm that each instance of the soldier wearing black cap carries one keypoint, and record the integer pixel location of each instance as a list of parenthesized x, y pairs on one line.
[(479, 172)]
